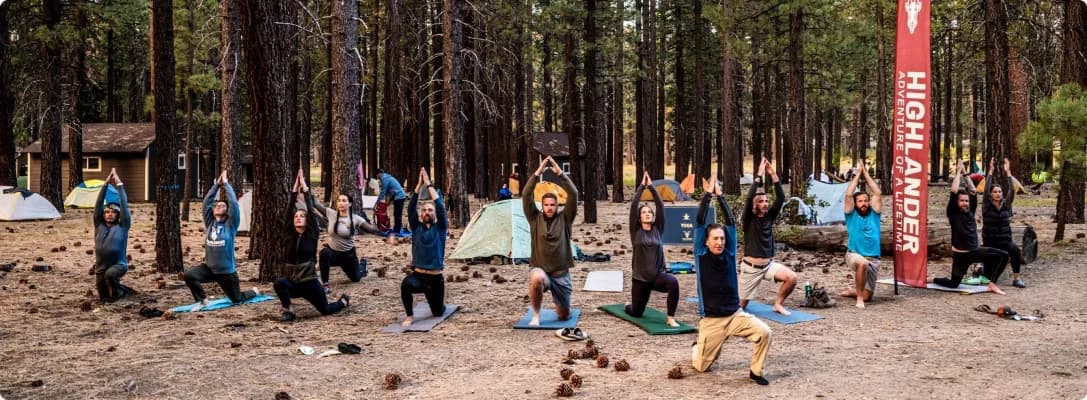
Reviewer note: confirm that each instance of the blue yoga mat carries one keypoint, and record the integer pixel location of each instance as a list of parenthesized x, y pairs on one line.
[(220, 303), (548, 320), (766, 311)]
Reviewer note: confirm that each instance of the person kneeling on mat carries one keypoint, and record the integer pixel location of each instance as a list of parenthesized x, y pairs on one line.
[(340, 249), (111, 225), (221, 219), (297, 276), (964, 241), (862, 219), (429, 228), (551, 257), (647, 269), (722, 317)]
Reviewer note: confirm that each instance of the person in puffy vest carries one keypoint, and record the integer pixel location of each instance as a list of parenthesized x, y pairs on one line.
[(996, 215)]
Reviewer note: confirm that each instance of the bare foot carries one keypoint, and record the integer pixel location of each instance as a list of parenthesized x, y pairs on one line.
[(848, 293), (860, 303), (995, 289), (407, 321), (535, 320), (778, 308), (930, 280), (672, 322)]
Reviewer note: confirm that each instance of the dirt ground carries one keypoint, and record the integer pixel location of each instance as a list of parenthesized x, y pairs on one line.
[(920, 344)]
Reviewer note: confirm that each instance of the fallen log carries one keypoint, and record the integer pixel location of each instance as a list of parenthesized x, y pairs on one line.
[(833, 238)]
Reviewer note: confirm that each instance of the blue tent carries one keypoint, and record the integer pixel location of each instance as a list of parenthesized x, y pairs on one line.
[(674, 187)]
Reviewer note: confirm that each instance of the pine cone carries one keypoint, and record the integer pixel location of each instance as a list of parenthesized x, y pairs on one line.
[(676, 373), (566, 372), (602, 361), (589, 344), (564, 390), (392, 380), (576, 354), (591, 352), (575, 380), (622, 365)]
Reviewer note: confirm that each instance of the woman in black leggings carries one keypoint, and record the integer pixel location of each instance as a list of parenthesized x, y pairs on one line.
[(646, 237), (298, 278), (343, 223)]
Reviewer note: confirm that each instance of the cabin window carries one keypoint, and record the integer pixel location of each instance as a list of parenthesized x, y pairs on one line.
[(566, 168), (181, 162), (93, 163)]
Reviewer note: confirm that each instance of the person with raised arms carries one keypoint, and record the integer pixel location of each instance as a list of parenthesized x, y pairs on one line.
[(429, 229), (221, 220), (964, 241), (647, 268), (758, 263), (996, 215), (551, 257), (111, 224), (340, 251), (722, 316), (862, 223)]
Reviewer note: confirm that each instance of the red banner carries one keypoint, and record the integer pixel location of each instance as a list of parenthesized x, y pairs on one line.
[(912, 122)]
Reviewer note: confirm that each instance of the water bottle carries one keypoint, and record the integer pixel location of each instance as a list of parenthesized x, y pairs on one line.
[(807, 289)]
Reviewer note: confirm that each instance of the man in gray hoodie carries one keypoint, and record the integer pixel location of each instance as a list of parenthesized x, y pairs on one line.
[(221, 221)]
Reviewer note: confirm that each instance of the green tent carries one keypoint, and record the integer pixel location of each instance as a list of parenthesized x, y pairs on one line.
[(498, 229)]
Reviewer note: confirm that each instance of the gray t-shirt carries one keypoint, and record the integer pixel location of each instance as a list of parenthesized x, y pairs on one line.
[(339, 228)]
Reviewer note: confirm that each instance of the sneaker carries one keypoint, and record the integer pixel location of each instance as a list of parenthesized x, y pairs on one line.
[(200, 305), (1019, 283), (287, 316), (346, 299), (362, 267)]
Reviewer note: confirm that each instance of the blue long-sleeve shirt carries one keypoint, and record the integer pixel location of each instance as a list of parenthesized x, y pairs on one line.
[(391, 187), (111, 241), (219, 240), (717, 287), (428, 243)]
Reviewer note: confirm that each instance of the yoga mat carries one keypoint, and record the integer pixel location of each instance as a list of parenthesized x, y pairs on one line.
[(680, 267), (604, 281), (962, 289), (652, 321), (424, 320), (220, 304), (766, 311), (548, 320)]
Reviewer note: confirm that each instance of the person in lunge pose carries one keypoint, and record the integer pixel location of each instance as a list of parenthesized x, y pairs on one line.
[(429, 228), (111, 224), (964, 241), (221, 219), (758, 263), (340, 248), (551, 257), (996, 215), (862, 219), (297, 276), (715, 254), (647, 269)]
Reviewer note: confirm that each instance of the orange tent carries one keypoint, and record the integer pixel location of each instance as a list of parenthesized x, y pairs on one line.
[(515, 186), (664, 191)]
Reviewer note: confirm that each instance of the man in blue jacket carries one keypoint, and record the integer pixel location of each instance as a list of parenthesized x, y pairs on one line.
[(429, 228), (111, 224), (221, 219), (391, 188)]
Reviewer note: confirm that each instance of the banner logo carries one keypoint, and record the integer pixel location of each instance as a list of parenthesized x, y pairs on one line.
[(913, 9)]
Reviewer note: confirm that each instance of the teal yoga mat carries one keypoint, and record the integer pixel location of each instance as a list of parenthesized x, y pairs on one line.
[(220, 304), (548, 320)]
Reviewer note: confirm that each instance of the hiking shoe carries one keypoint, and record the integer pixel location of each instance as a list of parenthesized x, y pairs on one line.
[(287, 316), (1019, 283), (758, 378)]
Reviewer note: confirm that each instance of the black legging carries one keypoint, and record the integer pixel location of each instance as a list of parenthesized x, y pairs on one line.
[(196, 276), (309, 290), (431, 286), (1015, 257), (993, 260), (640, 291), (346, 260), (398, 216)]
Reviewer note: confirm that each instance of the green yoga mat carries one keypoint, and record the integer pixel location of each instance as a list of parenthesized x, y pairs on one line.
[(652, 321)]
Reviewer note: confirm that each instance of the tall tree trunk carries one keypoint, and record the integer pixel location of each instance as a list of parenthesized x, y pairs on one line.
[(997, 127), (702, 141), (883, 141), (570, 102), (167, 225), (819, 134), (796, 106), (269, 51), (759, 126), (522, 72), (728, 170), (73, 110), (946, 110), (1070, 207), (594, 114), (617, 115), (8, 169), (437, 106), (190, 55), (548, 80), (681, 131), (326, 137), (231, 78), (345, 99), (51, 124), (452, 44), (305, 116)]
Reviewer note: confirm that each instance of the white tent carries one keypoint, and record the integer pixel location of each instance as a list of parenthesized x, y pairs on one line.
[(21, 205)]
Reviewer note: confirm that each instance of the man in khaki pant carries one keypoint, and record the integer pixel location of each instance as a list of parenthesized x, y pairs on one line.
[(715, 256)]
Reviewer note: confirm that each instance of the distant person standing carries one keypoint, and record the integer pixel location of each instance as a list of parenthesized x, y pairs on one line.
[(111, 224), (391, 189)]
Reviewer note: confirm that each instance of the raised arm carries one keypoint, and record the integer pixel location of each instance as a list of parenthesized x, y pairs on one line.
[(748, 201), (235, 209), (635, 203), (528, 200), (779, 199), (849, 190), (659, 221), (99, 208), (703, 209), (439, 209), (956, 179), (730, 220), (125, 219), (209, 202), (413, 212), (1009, 191), (875, 197), (570, 210)]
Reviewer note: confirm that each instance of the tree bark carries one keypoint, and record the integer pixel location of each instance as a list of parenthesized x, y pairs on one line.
[(617, 116), (269, 51), (8, 170), (51, 123), (452, 46), (702, 140), (167, 225), (306, 113), (796, 106), (345, 99), (997, 127), (231, 112), (884, 152), (1070, 207), (190, 55), (594, 114)]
